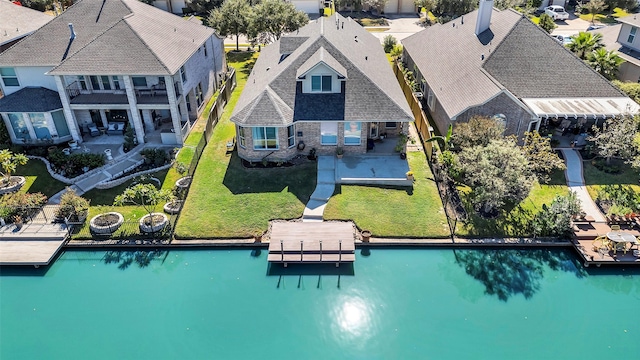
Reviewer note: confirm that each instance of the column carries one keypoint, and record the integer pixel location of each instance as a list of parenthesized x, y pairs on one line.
[(29, 125), (173, 106), (133, 109), (103, 117), (68, 112)]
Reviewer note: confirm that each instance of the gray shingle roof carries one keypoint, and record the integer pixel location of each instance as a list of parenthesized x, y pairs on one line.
[(632, 19), (18, 21), (466, 70), (114, 37), (321, 56), (371, 92), (531, 64), (31, 99), (450, 58)]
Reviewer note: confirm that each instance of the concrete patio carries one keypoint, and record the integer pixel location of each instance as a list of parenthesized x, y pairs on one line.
[(369, 169)]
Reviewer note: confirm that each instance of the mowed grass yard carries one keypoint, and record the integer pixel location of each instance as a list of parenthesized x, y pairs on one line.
[(227, 200), (38, 179), (595, 179), (513, 221), (391, 212)]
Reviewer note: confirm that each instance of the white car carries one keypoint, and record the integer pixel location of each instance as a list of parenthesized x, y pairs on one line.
[(556, 12)]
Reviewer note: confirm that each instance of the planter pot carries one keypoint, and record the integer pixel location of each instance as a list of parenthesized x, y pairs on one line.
[(183, 183), (366, 234), (172, 207), (410, 177), (146, 227), (339, 156), (106, 223), (15, 183), (403, 155)]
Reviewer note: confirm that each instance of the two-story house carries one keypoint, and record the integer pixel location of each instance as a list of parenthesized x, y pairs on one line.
[(499, 64), (325, 86), (624, 39), (109, 64)]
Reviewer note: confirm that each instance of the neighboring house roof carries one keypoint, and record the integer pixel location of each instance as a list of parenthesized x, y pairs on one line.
[(464, 70), (31, 99), (531, 64), (633, 20), (112, 37), (273, 97), (19, 21), (610, 41)]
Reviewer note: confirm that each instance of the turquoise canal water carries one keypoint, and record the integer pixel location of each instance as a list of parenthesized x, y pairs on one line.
[(393, 304)]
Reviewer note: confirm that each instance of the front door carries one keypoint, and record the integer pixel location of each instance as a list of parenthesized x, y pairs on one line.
[(373, 130)]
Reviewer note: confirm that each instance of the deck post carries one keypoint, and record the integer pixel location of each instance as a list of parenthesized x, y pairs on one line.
[(301, 251), (282, 252), (339, 253), (320, 250)]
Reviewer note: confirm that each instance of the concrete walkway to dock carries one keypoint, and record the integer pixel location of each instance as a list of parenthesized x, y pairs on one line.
[(575, 181), (325, 187)]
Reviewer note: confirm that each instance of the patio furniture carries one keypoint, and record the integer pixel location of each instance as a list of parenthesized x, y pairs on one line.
[(615, 227), (93, 131), (115, 128), (620, 240), (107, 152)]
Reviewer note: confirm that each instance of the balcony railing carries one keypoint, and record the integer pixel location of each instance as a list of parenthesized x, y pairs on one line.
[(73, 89)]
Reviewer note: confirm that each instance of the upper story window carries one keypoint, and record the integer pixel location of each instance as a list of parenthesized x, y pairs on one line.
[(632, 34), (321, 83), (139, 81), (9, 77), (183, 74)]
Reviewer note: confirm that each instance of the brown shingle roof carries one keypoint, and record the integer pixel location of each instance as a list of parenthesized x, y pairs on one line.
[(18, 21)]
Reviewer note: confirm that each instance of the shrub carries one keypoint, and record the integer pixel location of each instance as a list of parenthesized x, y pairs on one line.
[(72, 206), (389, 42), (72, 165), (601, 164), (623, 198), (157, 157), (555, 220)]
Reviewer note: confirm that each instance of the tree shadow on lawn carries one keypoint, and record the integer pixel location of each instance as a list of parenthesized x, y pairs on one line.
[(508, 272), (43, 183), (513, 220), (299, 179)]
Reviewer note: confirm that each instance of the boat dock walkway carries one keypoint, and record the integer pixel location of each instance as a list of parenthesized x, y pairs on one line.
[(34, 244), (302, 242)]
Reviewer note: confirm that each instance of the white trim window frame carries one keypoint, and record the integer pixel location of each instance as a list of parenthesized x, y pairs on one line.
[(9, 76), (291, 136), (265, 138), (431, 99), (183, 74), (329, 133), (323, 86), (632, 34), (241, 137)]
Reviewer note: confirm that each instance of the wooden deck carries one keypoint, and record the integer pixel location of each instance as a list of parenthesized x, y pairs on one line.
[(586, 233), (34, 244), (299, 242)]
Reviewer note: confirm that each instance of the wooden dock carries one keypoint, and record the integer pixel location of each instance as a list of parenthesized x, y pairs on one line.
[(585, 235), (301, 242), (34, 244)]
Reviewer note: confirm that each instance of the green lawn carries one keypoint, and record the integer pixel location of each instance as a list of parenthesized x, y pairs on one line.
[(513, 222), (595, 178), (605, 18), (38, 179), (228, 200), (394, 211)]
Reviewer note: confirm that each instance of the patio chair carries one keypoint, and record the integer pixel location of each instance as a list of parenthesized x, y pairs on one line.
[(615, 227), (621, 246), (93, 131), (601, 242)]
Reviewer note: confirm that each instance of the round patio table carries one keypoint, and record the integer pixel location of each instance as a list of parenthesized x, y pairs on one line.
[(618, 237)]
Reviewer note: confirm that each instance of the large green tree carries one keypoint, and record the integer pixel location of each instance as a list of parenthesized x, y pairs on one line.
[(605, 62), (232, 18), (273, 18), (617, 138), (377, 4), (542, 159), (455, 8), (497, 174), (595, 7), (584, 43), (202, 6), (479, 130)]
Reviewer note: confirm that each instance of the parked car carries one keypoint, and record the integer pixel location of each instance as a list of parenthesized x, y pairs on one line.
[(556, 12)]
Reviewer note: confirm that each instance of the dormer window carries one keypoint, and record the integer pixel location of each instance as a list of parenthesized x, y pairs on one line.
[(321, 83)]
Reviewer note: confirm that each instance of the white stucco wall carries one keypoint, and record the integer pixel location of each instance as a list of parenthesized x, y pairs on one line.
[(31, 76)]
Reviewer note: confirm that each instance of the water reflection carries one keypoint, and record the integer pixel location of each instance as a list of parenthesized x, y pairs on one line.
[(505, 273), (124, 259), (352, 320)]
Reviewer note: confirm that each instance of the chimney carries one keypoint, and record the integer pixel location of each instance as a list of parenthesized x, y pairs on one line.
[(484, 16), (73, 33)]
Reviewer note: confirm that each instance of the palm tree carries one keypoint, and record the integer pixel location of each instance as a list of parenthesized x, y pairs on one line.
[(605, 62), (584, 43), (445, 140), (595, 7)]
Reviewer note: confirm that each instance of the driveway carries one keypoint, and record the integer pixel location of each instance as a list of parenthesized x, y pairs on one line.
[(572, 26), (400, 26)]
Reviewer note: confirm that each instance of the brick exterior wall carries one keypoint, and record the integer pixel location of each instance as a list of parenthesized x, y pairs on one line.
[(311, 138), (517, 118)]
